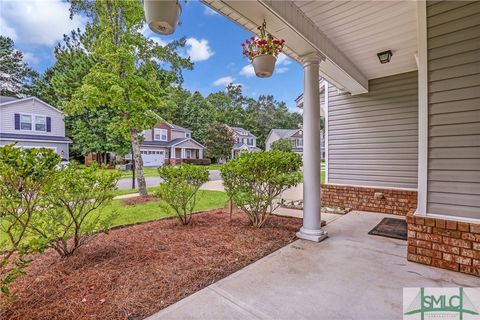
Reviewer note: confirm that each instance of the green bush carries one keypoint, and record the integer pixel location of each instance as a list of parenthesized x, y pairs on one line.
[(254, 180), (73, 214), (25, 177), (179, 188), (283, 144), (201, 162)]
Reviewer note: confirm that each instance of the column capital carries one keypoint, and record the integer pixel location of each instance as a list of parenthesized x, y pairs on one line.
[(312, 57)]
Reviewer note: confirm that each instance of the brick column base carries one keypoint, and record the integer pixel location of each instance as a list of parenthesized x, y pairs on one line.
[(444, 244)]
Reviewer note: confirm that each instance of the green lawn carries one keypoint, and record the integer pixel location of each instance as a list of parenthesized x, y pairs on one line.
[(147, 172), (157, 209)]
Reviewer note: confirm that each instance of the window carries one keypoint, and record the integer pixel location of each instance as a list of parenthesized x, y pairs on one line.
[(250, 141), (188, 135), (40, 123), (299, 142), (188, 154), (25, 122), (160, 134)]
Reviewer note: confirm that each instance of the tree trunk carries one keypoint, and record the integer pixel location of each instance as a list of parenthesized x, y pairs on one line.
[(142, 186)]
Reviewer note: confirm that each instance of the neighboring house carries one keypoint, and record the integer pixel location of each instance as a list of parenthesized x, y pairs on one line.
[(245, 141), (295, 135), (168, 143), (32, 123)]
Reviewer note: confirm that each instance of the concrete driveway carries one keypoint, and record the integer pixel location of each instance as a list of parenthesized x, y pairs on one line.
[(214, 175), (350, 275)]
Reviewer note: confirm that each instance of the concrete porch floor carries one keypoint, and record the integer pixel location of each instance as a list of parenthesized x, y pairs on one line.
[(350, 275)]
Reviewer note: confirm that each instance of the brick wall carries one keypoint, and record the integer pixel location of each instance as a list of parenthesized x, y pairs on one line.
[(444, 243), (393, 201)]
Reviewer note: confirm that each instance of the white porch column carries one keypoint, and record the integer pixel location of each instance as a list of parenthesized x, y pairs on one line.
[(200, 153), (182, 153), (311, 229)]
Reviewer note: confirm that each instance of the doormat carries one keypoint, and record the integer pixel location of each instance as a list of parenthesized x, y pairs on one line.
[(391, 228)]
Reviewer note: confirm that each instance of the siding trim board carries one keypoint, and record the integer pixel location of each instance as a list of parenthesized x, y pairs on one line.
[(372, 133)]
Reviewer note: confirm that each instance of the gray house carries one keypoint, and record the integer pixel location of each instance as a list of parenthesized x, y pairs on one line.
[(245, 141), (32, 123), (296, 136)]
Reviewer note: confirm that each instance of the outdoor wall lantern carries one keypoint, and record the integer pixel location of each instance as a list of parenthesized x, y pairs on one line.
[(384, 56), (162, 15)]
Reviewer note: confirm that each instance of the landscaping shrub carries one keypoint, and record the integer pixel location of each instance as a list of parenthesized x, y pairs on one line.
[(180, 186), (283, 144), (73, 214), (25, 175), (197, 161), (254, 180)]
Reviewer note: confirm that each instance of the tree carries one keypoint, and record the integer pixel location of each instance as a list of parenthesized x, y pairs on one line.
[(180, 186), (254, 179), (73, 215), (14, 73), (25, 176), (125, 77), (199, 116), (285, 145), (88, 132), (218, 141)]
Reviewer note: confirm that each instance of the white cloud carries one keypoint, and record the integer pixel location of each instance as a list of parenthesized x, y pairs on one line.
[(159, 41), (38, 21), (283, 59), (30, 59), (6, 30), (198, 50), (247, 71), (223, 81), (281, 69), (210, 12)]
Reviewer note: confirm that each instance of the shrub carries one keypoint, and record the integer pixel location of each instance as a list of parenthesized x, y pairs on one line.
[(25, 175), (73, 214), (179, 188), (283, 144), (202, 162), (254, 180)]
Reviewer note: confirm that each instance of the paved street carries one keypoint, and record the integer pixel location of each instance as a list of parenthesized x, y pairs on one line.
[(126, 183)]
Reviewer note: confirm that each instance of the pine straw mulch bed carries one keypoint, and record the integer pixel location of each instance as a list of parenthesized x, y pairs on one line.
[(139, 199), (135, 271)]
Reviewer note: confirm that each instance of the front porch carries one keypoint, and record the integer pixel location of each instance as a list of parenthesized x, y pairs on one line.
[(307, 280)]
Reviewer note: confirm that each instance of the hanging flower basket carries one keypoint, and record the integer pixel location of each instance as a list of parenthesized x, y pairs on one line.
[(162, 15), (263, 51)]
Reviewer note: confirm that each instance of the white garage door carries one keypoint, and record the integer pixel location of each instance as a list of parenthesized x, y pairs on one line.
[(153, 158)]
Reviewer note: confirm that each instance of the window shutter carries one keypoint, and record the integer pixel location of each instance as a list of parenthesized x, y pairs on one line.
[(17, 121), (49, 124)]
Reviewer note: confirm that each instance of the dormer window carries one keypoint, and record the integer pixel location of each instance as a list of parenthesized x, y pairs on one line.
[(188, 135), (25, 122), (160, 134), (40, 123)]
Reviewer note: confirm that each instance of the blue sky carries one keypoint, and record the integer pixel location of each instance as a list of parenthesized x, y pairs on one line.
[(213, 43)]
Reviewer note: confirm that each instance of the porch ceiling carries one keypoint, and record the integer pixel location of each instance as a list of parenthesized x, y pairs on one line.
[(361, 29)]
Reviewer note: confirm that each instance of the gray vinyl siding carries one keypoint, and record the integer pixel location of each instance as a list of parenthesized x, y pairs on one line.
[(35, 107), (453, 32), (373, 137), (58, 146)]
